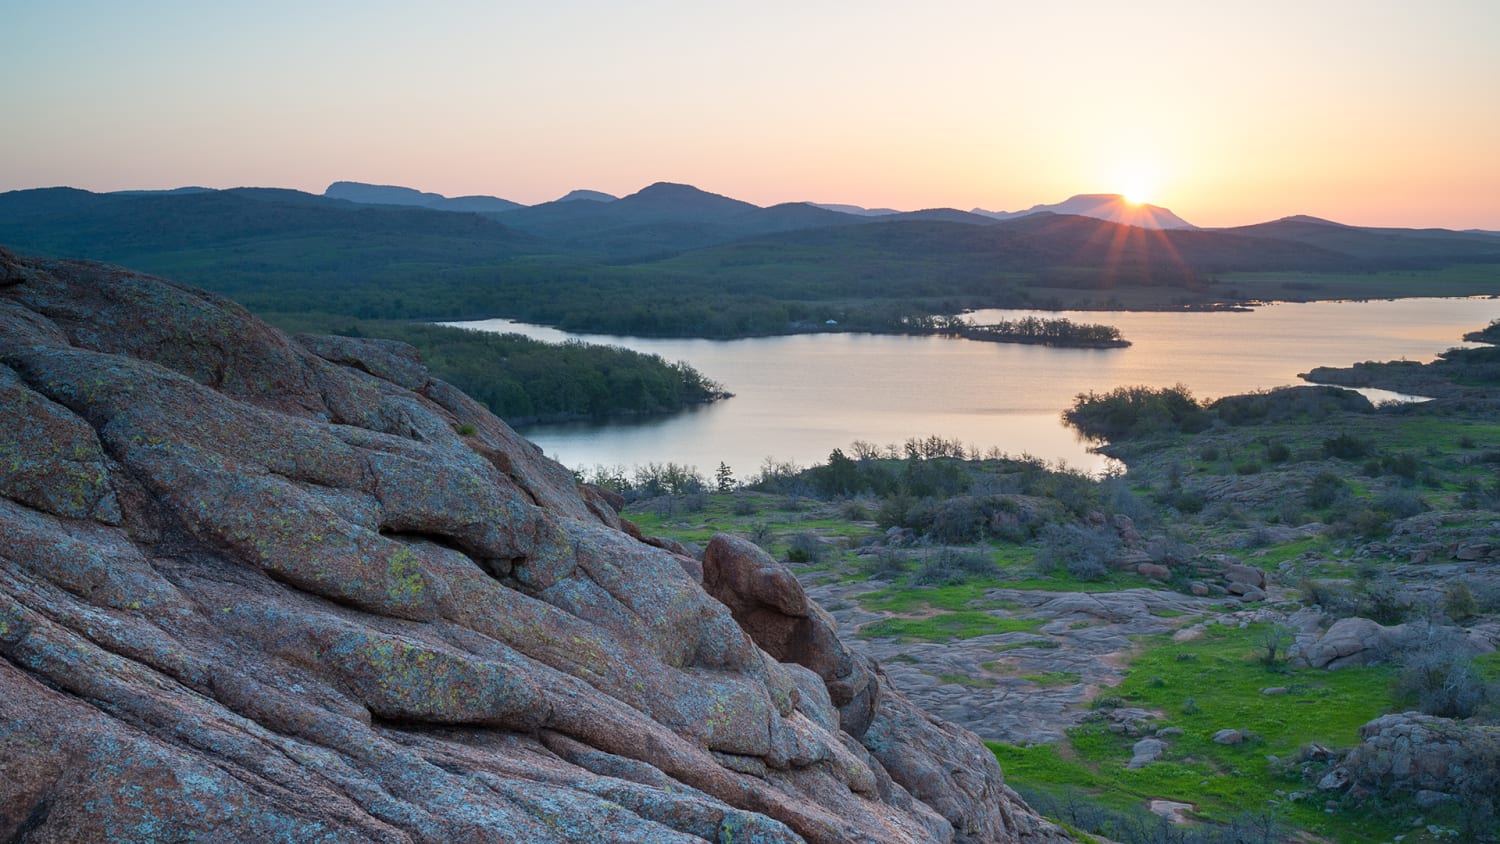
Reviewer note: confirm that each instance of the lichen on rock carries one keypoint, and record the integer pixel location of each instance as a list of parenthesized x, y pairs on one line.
[(258, 588)]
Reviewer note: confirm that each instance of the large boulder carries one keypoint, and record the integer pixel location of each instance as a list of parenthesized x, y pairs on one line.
[(1354, 641), (769, 604), (1412, 753), (257, 589)]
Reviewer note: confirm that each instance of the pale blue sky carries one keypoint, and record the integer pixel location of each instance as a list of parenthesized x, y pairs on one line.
[(1370, 112)]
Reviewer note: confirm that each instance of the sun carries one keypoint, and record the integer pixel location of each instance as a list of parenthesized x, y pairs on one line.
[(1136, 188), (1136, 182)]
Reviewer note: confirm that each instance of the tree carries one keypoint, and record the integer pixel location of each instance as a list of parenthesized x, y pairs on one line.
[(724, 478)]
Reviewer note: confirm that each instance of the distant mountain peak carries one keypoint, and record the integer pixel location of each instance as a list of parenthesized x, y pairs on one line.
[(657, 190), (367, 194), (581, 195), (1308, 218), (1103, 206), (857, 210), (676, 199)]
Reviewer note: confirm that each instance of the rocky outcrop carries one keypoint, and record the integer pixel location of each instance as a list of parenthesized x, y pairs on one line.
[(262, 589), (1435, 758)]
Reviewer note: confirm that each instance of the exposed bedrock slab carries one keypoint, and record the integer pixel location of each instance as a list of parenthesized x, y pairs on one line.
[(256, 588)]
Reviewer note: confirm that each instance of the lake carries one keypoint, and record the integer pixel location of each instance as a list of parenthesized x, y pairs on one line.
[(798, 397)]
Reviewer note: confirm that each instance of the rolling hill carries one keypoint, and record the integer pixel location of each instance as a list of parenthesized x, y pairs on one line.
[(676, 260)]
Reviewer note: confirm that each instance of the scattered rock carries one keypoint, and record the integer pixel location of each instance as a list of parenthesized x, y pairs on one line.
[(1128, 559), (1172, 811), (1335, 780), (1229, 737), (1247, 593), (1144, 752), (1472, 551), (1248, 575), (1274, 690), (1198, 588), (1428, 799), (1154, 571)]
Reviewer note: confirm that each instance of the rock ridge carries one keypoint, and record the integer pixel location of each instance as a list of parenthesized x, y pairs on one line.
[(256, 587)]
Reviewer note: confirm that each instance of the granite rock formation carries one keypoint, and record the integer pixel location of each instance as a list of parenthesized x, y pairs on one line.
[(260, 588)]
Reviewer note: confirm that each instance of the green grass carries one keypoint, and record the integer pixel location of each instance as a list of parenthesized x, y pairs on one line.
[(1046, 644), (966, 680), (1053, 678), (962, 596), (1203, 686), (946, 627)]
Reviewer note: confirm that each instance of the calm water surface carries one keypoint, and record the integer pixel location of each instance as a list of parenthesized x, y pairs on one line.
[(799, 397)]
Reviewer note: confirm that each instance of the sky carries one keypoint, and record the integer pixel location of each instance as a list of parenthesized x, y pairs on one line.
[(1370, 113)]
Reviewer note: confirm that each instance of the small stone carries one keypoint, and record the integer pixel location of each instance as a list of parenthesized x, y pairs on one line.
[(1427, 798), (1274, 690), (1229, 737), (1144, 752), (1335, 780), (1248, 575)]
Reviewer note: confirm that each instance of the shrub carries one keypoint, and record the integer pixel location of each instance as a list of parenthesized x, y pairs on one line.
[(1346, 446), (1458, 601), (1438, 671), (1170, 550), (743, 505), (1325, 490), (886, 564), (1400, 504), (1277, 452), (1370, 523), (1247, 467), (655, 479), (1188, 502), (805, 548), (1082, 551), (854, 510), (895, 511), (958, 521), (1133, 411), (952, 566), (1403, 466), (1118, 497), (1273, 642)]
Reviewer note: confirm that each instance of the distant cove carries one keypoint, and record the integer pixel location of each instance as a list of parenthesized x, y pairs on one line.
[(798, 397)]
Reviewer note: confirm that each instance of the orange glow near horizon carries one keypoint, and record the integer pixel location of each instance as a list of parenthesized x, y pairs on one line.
[(958, 104)]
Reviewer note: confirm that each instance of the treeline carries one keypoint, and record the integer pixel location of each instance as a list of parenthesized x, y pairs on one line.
[(523, 380), (1137, 411), (1489, 334), (1030, 329), (934, 486)]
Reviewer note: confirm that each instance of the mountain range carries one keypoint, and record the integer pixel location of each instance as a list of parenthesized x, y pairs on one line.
[(1103, 206), (675, 259)]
